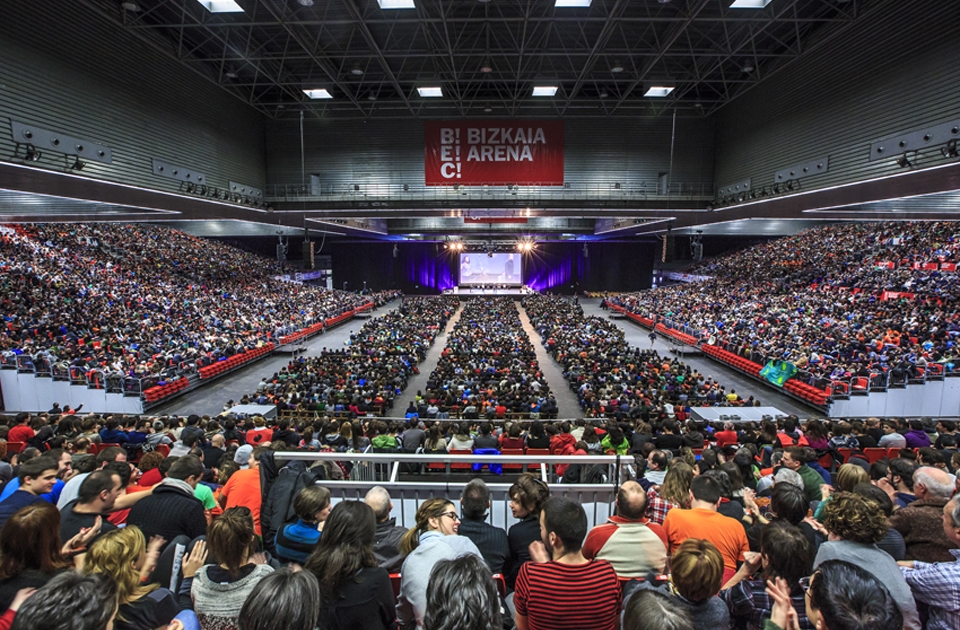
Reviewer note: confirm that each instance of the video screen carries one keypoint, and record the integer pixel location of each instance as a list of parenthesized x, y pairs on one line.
[(479, 268)]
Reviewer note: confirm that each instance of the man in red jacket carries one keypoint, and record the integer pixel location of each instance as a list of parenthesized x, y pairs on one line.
[(20, 431)]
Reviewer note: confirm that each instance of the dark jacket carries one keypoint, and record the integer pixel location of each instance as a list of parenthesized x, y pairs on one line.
[(169, 512), (491, 541), (921, 525), (386, 545), (365, 602), (278, 488)]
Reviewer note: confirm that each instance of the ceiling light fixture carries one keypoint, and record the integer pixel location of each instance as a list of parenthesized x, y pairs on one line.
[(603, 94), (560, 4), (356, 71), (544, 90), (133, 7), (430, 92), (617, 67), (396, 4), (315, 94), (658, 91), (485, 67), (748, 67), (31, 154), (220, 6), (749, 4), (305, 3), (487, 109)]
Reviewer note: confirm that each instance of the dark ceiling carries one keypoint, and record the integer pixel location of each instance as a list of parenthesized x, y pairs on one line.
[(486, 54)]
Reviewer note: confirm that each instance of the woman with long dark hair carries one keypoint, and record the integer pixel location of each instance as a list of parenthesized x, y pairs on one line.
[(355, 593)]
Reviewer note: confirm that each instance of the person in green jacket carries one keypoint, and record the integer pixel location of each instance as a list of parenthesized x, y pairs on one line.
[(614, 440), (794, 459)]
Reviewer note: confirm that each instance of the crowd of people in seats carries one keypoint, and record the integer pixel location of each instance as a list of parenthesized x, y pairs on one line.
[(369, 372), (815, 299), (145, 300), (489, 366), (748, 532), (611, 376)]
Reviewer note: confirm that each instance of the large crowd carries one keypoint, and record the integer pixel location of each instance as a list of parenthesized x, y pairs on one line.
[(818, 300), (143, 300), (370, 371), (749, 532)]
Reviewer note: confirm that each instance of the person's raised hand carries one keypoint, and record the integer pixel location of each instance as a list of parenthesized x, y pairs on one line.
[(783, 613), (195, 559), (83, 537), (753, 561), (538, 552), (826, 490)]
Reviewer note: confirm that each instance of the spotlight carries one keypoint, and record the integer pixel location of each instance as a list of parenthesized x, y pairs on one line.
[(903, 162), (215, 193), (791, 184), (31, 154), (950, 150), (77, 164), (203, 191), (191, 187)]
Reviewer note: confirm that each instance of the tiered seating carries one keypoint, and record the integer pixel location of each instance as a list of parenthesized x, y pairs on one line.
[(227, 364)]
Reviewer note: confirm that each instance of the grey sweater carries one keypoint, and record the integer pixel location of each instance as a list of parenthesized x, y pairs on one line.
[(415, 574), (218, 605)]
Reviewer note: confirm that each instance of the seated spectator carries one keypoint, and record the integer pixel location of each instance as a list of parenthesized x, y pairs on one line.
[(96, 499), (795, 459), (70, 601), (855, 525), (727, 436), (260, 435), (123, 555), (491, 541), (899, 482), (784, 553), (486, 439), (656, 470), (527, 496), (674, 492), (850, 598), (217, 591), (891, 438), (634, 546), (461, 440), (433, 538), (37, 477), (462, 596), (243, 487), (173, 510), (654, 610), (561, 589), (288, 600), (696, 574), (295, 542), (104, 457), (916, 437), (435, 443), (787, 505), (892, 542), (703, 521), (938, 585), (386, 541), (354, 591), (847, 477), (922, 522)]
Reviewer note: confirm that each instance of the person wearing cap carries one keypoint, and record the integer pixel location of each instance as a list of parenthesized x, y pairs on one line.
[(243, 487)]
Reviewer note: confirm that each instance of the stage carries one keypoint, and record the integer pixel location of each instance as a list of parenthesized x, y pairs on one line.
[(505, 291)]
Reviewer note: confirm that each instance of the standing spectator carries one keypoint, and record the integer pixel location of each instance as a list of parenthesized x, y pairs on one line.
[(386, 541), (354, 591), (561, 589), (461, 596), (37, 477), (703, 521), (491, 541), (922, 522), (628, 541), (527, 496), (243, 488), (855, 525), (295, 542), (938, 585), (173, 510)]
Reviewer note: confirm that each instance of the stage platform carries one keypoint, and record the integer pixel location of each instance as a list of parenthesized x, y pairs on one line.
[(490, 292)]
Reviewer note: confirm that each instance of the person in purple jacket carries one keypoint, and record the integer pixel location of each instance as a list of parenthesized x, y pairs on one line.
[(916, 437)]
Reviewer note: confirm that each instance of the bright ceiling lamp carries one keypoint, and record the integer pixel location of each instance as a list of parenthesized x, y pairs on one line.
[(572, 3), (315, 94), (658, 91), (430, 92), (221, 6), (749, 4), (544, 90), (396, 4)]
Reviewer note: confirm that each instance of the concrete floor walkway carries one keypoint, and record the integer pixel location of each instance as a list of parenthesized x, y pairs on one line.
[(568, 404), (637, 335), (429, 364)]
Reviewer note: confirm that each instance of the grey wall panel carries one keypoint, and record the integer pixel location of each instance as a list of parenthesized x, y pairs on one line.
[(603, 151), (66, 69), (895, 71)]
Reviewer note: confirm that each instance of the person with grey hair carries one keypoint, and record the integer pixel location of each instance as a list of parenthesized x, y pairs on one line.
[(490, 540), (653, 610), (462, 595), (921, 522), (386, 542), (792, 477), (938, 585)]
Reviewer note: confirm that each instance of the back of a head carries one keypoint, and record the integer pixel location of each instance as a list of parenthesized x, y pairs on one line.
[(631, 501), (849, 476), (938, 483), (567, 520), (475, 500), (854, 517), (705, 489), (345, 547), (309, 501), (789, 503), (787, 476), (186, 467), (904, 469), (849, 598), (283, 600), (696, 569), (70, 601), (789, 553), (653, 610), (378, 498), (871, 491), (95, 483), (30, 539), (721, 479), (462, 595), (231, 538)]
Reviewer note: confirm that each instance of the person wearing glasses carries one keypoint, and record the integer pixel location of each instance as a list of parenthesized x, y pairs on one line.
[(432, 539)]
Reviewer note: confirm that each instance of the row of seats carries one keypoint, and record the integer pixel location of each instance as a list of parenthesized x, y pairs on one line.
[(229, 363), (735, 360), (807, 392), (300, 334), (690, 340), (169, 388)]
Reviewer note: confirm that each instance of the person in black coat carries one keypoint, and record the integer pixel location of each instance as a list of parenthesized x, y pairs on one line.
[(172, 510)]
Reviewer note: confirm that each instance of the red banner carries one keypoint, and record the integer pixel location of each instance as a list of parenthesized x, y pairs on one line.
[(493, 152)]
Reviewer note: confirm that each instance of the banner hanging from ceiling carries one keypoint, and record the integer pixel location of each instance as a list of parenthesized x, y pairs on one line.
[(475, 152)]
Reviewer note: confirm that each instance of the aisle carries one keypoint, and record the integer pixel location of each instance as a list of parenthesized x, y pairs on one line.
[(637, 335), (419, 381), (567, 403), (210, 399)]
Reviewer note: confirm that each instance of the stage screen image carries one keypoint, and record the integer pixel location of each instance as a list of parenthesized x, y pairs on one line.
[(479, 268)]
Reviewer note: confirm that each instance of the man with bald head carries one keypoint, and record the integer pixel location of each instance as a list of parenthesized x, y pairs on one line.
[(938, 585), (386, 542), (632, 544), (921, 522)]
